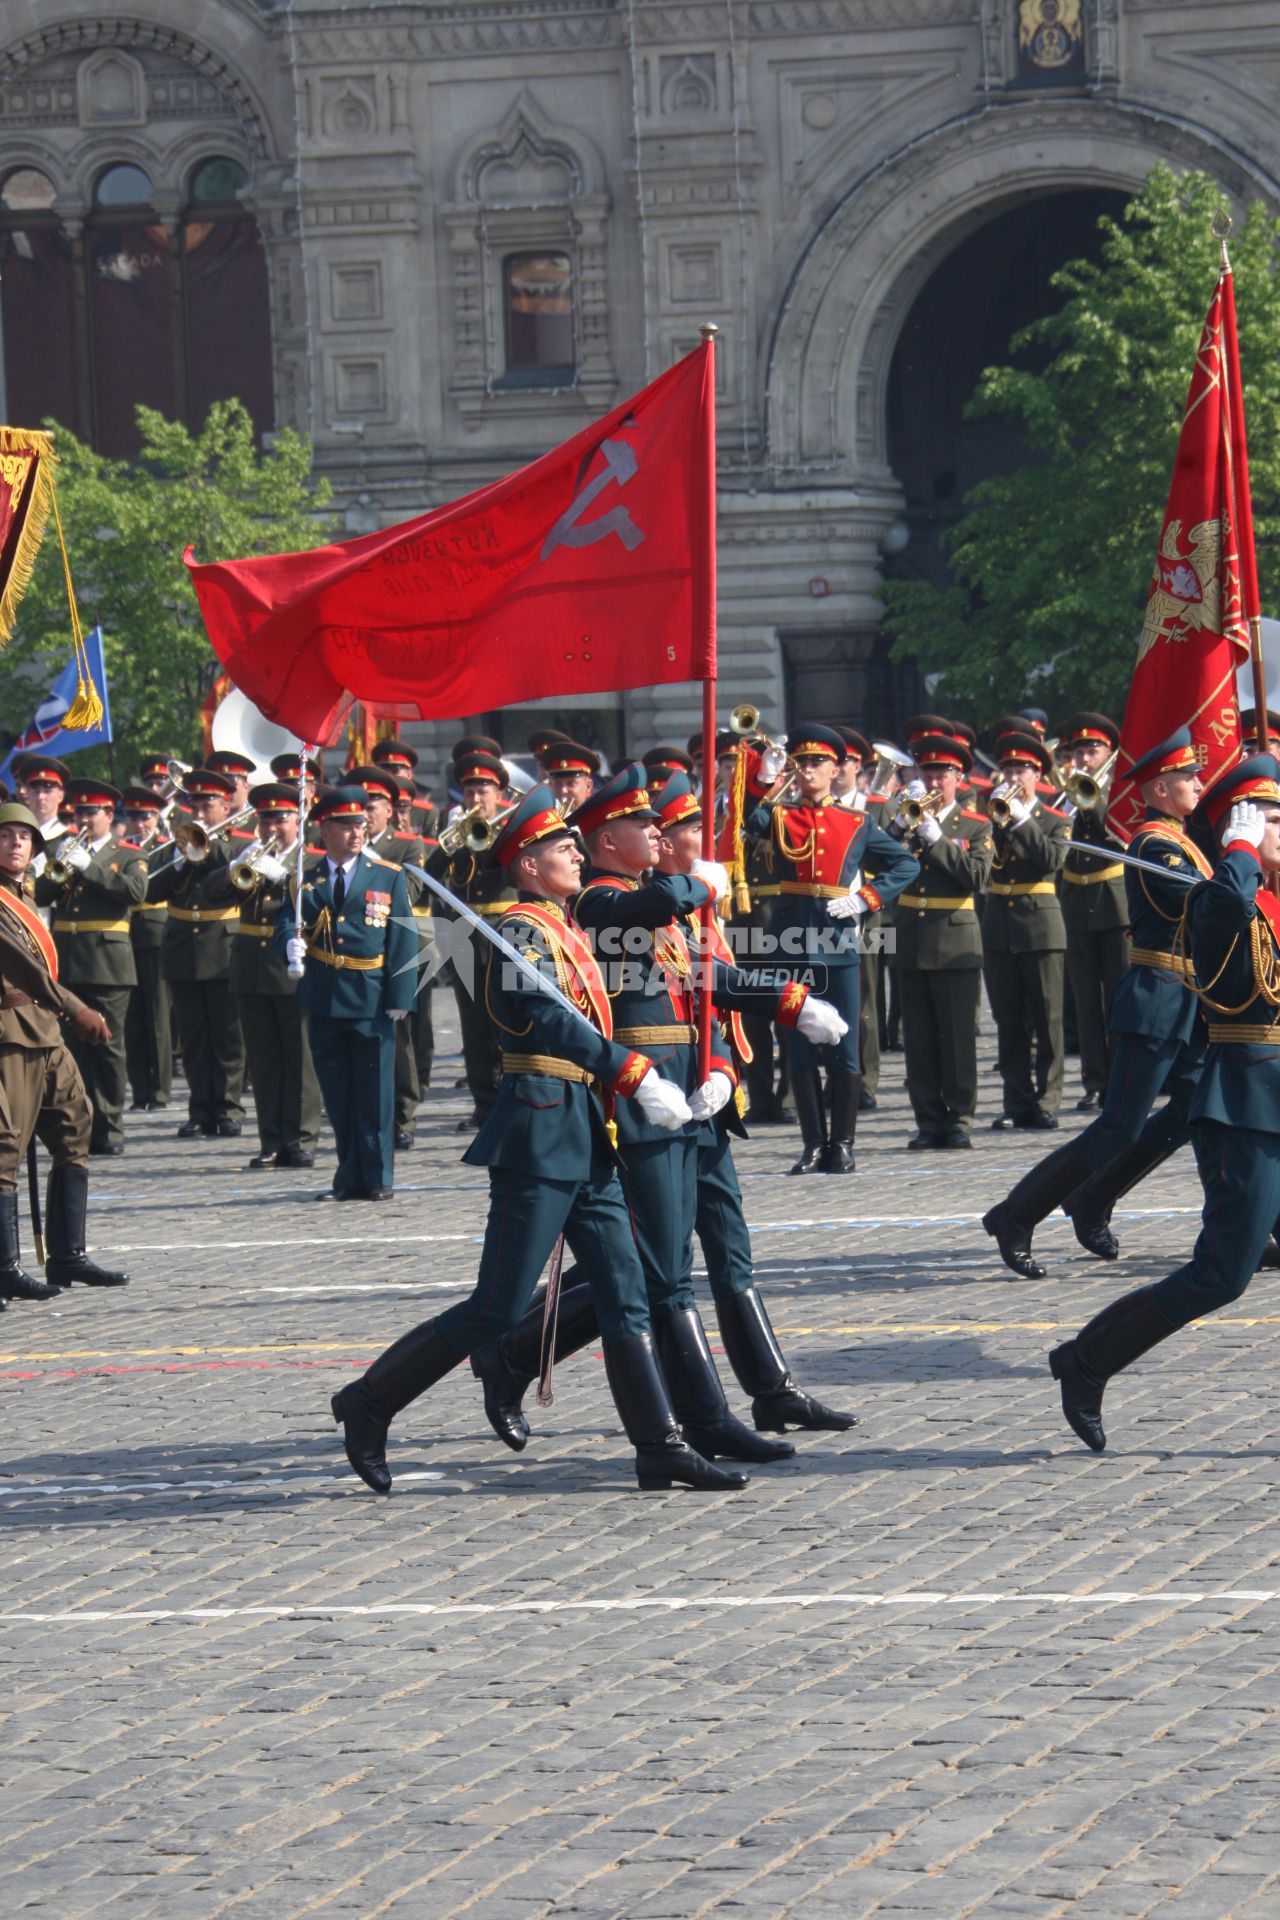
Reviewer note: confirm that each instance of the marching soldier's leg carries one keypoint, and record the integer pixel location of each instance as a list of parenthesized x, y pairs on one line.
[(1240, 1171), (956, 995), (806, 1087), (843, 991), (1013, 1038), (22, 1076), (331, 1056), (1086, 994), (373, 1092), (63, 1126), (266, 1072), (922, 1045), (189, 1011), (300, 1107), (1043, 981), (227, 1055), (408, 1091), (1089, 1205)]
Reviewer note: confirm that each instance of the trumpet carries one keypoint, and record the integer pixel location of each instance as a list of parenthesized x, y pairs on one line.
[(471, 832), (247, 873), (910, 812), (999, 812), (58, 868), (1090, 791), (193, 841)]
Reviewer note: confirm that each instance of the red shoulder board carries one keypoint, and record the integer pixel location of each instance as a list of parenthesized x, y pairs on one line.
[(128, 846), (404, 836), (967, 813), (618, 880), (1055, 814), (872, 800)]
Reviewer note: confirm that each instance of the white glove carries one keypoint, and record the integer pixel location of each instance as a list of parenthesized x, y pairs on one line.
[(179, 859), (295, 950), (715, 1092), (772, 761), (714, 874), (396, 1013), (77, 857), (1019, 810), (820, 1023), (928, 832), (915, 790), (245, 853), (272, 869), (662, 1103), (847, 906), (1245, 822)]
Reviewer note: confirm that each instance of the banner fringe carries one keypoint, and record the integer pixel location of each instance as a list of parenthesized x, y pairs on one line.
[(27, 440)]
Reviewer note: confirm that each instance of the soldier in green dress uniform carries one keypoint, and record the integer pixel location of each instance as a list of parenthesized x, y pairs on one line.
[(148, 1025), (1095, 907)]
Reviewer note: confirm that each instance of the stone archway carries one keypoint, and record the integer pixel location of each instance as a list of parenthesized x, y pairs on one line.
[(828, 360)]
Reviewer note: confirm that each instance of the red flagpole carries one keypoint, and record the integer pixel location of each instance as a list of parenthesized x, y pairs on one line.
[(706, 916)]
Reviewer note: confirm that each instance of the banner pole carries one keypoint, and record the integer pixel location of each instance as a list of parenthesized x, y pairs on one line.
[(706, 915)]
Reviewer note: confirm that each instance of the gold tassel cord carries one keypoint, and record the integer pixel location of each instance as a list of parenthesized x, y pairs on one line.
[(85, 710), (19, 441)]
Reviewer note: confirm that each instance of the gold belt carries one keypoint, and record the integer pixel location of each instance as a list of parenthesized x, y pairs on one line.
[(150, 906), (769, 892), (204, 913), (943, 903), (1245, 1036), (1168, 962), (1095, 878), (424, 913), (678, 1034), (812, 889), (547, 1064), (490, 908), (259, 930), (347, 960), (90, 926), (1007, 888)]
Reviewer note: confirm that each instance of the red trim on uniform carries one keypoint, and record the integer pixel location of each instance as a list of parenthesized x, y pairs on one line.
[(1243, 846), (633, 1072), (32, 924), (466, 770), (790, 1001), (570, 943), (872, 898), (589, 817), (539, 826), (1263, 788), (816, 750)]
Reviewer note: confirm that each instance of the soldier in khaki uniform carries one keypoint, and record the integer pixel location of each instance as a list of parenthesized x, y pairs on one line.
[(196, 960), (148, 1036), (1095, 909), (286, 1093), (385, 841), (41, 1092), (939, 950), (90, 908), (1024, 940)]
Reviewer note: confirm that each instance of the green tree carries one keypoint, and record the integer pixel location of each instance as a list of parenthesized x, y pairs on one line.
[(127, 527), (1052, 564)]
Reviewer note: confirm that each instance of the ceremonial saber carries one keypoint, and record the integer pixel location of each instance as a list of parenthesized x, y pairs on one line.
[(531, 973), (1136, 860), (33, 1193), (298, 968), (550, 1321)]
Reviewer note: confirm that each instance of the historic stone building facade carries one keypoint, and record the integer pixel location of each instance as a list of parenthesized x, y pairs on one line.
[(440, 237)]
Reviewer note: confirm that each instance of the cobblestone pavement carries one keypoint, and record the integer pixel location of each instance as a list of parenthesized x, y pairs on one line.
[(946, 1664)]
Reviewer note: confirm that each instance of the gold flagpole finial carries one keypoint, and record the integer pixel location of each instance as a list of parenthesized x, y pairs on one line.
[(708, 329), (1222, 225)]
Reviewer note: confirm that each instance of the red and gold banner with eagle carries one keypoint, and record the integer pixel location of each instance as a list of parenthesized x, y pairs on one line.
[(26, 492), (1204, 587)]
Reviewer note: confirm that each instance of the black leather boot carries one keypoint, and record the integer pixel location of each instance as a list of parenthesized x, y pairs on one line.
[(697, 1395), (365, 1408), (761, 1370), (508, 1369), (845, 1088), (14, 1283), (66, 1210), (812, 1115), (662, 1453), (1110, 1342), (1089, 1206), (1014, 1242)]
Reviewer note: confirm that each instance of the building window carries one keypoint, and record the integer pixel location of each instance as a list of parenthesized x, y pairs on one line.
[(171, 314), (538, 302)]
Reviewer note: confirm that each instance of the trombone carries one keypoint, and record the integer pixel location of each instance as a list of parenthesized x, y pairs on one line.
[(471, 832), (247, 874), (58, 869), (1090, 792), (194, 841)]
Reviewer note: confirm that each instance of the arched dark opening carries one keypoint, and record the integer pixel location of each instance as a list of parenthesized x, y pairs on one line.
[(962, 320)]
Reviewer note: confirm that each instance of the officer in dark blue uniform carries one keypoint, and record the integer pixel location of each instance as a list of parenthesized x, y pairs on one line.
[(360, 954), (1233, 928), (546, 1144), (820, 851), (1157, 1033)]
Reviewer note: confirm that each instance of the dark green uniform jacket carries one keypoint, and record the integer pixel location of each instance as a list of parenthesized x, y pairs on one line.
[(91, 917), (936, 919), (1234, 926), (1022, 914)]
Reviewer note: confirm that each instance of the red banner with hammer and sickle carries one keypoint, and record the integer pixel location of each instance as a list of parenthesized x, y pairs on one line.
[(1204, 588), (26, 467), (589, 571)]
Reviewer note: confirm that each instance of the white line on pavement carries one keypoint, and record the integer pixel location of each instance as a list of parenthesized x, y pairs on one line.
[(661, 1603), (263, 1482)]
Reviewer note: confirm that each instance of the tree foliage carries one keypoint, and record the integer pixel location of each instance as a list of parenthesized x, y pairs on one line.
[(127, 527), (1052, 564)]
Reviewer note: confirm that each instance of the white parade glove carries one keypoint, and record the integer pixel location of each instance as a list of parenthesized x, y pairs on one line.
[(820, 1023), (179, 860), (847, 906), (1245, 822), (295, 950), (77, 857), (714, 874), (928, 832), (1019, 810), (772, 761), (915, 790), (715, 1092), (396, 1013), (272, 869), (662, 1103), (246, 853)]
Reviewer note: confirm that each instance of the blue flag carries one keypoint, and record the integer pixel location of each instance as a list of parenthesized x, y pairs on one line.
[(46, 733)]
